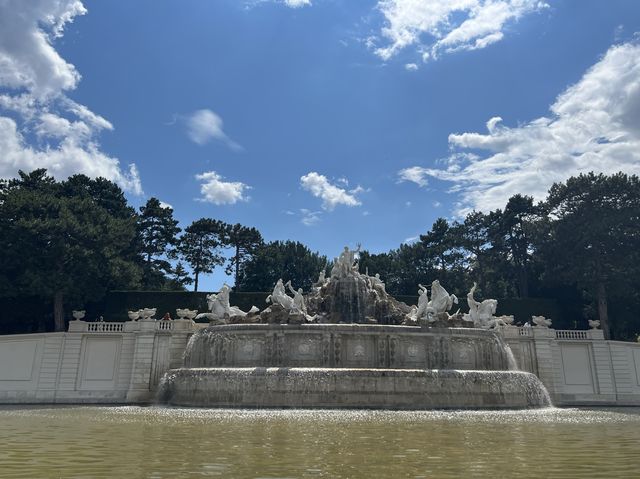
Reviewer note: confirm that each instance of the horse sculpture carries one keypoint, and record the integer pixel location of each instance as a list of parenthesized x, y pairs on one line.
[(482, 314), (441, 301)]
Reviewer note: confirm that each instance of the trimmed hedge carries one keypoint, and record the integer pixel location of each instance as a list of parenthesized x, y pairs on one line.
[(115, 305), (35, 314)]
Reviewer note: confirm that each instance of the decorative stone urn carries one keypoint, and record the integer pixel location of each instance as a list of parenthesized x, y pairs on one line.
[(191, 313), (78, 315)]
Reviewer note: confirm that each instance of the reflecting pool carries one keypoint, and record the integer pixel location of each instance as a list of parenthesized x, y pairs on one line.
[(158, 442)]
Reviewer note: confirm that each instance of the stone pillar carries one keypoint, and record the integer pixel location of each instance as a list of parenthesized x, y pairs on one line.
[(605, 380), (548, 359), (140, 385)]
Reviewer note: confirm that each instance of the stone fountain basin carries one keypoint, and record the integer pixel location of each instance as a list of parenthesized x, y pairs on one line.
[(351, 388), (347, 346)]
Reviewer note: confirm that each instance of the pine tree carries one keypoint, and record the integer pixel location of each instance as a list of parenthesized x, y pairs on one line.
[(244, 241), (200, 246), (157, 232), (61, 242)]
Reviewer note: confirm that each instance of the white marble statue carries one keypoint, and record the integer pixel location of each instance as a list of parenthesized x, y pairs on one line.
[(344, 264), (423, 304), (505, 320), (377, 283), (298, 299), (481, 313), (219, 304), (594, 323), (322, 280), (280, 296), (541, 321), (220, 307), (441, 301)]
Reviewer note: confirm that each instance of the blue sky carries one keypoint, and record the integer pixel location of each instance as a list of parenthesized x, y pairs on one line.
[(324, 121)]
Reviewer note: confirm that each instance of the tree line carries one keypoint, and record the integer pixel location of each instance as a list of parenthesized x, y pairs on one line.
[(73, 240)]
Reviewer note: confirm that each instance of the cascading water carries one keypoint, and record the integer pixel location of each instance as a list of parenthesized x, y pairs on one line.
[(358, 356)]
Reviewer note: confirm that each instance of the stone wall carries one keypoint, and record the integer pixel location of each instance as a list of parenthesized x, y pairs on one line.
[(92, 363), (123, 362), (579, 368)]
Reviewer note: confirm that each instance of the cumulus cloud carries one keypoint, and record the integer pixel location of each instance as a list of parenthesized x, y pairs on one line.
[(206, 125), (34, 79), (67, 159), (442, 26), (320, 187), (219, 192), (594, 125)]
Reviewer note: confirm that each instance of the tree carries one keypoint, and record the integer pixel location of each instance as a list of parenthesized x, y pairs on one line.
[(474, 239), (200, 246), (179, 278), (442, 250), (157, 230), (593, 237), (410, 268), (512, 234), (59, 242), (101, 191), (291, 261), (244, 241)]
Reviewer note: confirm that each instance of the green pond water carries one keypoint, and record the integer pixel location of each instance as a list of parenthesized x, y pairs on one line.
[(157, 442)]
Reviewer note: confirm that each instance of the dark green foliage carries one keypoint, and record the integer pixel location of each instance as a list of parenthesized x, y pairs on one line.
[(67, 243), (114, 306), (244, 241), (592, 237), (179, 278), (200, 246), (157, 232), (288, 260), (62, 244)]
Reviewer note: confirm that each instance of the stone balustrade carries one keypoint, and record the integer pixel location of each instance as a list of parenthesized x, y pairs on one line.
[(133, 326)]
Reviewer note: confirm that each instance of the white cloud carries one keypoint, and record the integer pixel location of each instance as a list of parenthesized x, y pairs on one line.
[(215, 190), (34, 79), (593, 125), (297, 3), (68, 158), (310, 218), (415, 174), (165, 205), (320, 187), (27, 57), (412, 67), (206, 125), (443, 26)]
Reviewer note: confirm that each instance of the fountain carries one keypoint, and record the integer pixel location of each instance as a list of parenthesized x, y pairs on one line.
[(350, 344)]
